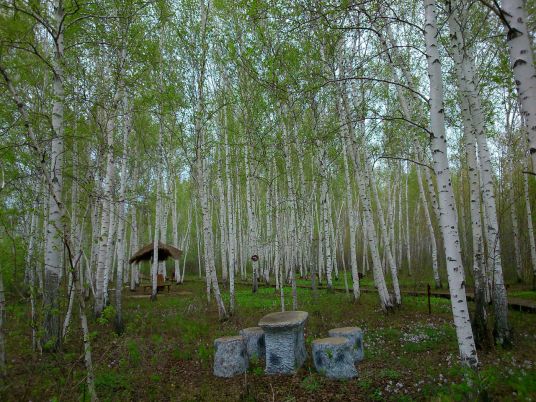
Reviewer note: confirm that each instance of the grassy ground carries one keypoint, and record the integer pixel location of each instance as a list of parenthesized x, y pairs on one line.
[(166, 353)]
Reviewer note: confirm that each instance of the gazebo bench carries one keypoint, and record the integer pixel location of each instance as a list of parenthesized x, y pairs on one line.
[(159, 287)]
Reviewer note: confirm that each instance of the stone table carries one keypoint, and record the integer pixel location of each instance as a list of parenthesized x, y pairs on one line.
[(285, 343)]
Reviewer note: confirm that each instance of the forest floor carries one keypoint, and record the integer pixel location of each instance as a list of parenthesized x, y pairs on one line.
[(166, 353)]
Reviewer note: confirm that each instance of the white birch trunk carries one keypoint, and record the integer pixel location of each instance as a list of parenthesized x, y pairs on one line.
[(433, 193), (530, 229), (185, 244), (3, 370), (291, 191), (352, 225), (515, 222), (333, 238), (231, 221), (222, 221), (325, 243), (60, 207), (163, 233), (174, 222), (134, 268), (435, 267), (269, 232), (451, 239), (105, 220), (198, 241), (481, 315), (406, 210), (121, 213), (379, 279), (31, 268), (156, 238), (522, 61), (400, 225), (110, 248), (277, 262), (71, 294), (202, 172), (95, 220), (74, 261), (474, 120), (385, 235), (54, 226), (41, 267), (252, 221), (368, 208)]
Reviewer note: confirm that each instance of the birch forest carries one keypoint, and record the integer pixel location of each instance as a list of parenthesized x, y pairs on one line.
[(173, 171)]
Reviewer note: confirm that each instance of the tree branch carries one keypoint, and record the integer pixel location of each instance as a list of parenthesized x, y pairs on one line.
[(403, 159)]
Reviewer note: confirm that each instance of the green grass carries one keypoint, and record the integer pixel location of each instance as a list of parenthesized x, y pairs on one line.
[(167, 349), (133, 352), (417, 281), (311, 383), (426, 338), (390, 374), (524, 294), (111, 381)]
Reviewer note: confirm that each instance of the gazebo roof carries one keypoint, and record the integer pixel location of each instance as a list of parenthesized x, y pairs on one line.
[(164, 252)]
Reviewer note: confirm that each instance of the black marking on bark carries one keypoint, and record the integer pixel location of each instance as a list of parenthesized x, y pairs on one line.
[(513, 33), (519, 62)]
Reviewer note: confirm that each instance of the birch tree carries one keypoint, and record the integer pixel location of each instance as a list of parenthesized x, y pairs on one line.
[(3, 369), (200, 167), (514, 16), (473, 119), (53, 241), (121, 238), (447, 216)]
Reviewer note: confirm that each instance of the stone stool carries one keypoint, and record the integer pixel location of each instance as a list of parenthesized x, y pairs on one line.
[(285, 343), (254, 339), (230, 357), (333, 358), (355, 335)]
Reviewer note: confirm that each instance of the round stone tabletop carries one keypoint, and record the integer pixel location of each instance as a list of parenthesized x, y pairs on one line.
[(283, 319)]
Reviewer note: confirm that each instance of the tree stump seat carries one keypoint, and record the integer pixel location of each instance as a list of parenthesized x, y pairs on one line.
[(333, 358), (230, 357), (255, 342), (285, 343), (355, 336)]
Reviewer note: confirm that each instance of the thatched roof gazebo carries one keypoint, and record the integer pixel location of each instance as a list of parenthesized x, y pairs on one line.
[(146, 253)]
